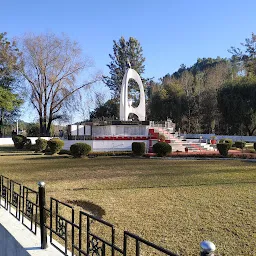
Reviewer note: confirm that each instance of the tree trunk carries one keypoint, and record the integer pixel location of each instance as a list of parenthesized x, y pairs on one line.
[(48, 129)]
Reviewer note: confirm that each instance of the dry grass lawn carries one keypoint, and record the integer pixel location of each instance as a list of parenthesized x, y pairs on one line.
[(173, 203)]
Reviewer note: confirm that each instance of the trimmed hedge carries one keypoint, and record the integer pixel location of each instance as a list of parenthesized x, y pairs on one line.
[(138, 148), (240, 144), (55, 145), (226, 141), (28, 144), (41, 144), (162, 148), (223, 148), (19, 141), (80, 149)]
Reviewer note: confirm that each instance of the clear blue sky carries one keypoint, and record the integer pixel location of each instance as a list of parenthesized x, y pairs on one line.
[(170, 32)]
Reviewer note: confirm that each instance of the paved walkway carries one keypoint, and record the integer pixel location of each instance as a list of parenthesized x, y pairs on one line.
[(17, 240)]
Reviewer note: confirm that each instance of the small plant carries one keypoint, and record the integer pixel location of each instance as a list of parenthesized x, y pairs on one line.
[(213, 140), (162, 148), (55, 145), (138, 148), (80, 149), (223, 148), (240, 144), (161, 137), (19, 141), (226, 141), (41, 144)]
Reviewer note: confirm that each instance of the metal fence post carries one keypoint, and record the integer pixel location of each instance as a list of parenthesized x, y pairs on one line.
[(207, 248), (41, 189)]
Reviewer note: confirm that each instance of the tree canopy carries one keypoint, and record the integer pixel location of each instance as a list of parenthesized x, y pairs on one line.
[(237, 103), (189, 95), (123, 52), (246, 57), (106, 110), (10, 100), (50, 64)]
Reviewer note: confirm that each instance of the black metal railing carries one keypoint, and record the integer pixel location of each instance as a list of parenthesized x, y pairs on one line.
[(85, 235), (21, 201)]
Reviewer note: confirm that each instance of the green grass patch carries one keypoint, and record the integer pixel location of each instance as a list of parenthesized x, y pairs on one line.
[(173, 203)]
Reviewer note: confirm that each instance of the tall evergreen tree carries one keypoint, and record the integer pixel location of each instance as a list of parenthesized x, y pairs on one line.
[(124, 51)]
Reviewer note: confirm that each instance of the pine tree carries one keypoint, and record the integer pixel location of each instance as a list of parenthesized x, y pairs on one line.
[(124, 51)]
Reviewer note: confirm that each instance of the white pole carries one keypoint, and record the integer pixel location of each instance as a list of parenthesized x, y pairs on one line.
[(17, 127)]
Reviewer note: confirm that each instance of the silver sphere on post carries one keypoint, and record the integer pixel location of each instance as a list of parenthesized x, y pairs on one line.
[(41, 183), (207, 248)]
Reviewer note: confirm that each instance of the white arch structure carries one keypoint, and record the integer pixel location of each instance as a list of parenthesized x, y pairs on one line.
[(125, 104)]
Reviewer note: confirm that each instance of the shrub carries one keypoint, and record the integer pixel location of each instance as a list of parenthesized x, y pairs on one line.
[(19, 141), (226, 141), (80, 149), (55, 145), (138, 148), (33, 147), (223, 148), (41, 144), (162, 148), (28, 144), (240, 144), (47, 149)]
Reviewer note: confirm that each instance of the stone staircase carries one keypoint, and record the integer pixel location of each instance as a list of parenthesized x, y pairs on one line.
[(177, 142)]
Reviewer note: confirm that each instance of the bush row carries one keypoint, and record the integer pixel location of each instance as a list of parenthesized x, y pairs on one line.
[(53, 145), (161, 149)]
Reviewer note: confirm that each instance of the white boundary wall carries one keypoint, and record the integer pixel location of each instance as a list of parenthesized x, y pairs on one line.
[(106, 145), (97, 145), (120, 130), (218, 137), (8, 141)]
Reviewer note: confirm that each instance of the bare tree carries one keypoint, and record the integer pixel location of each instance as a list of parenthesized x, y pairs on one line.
[(51, 65)]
